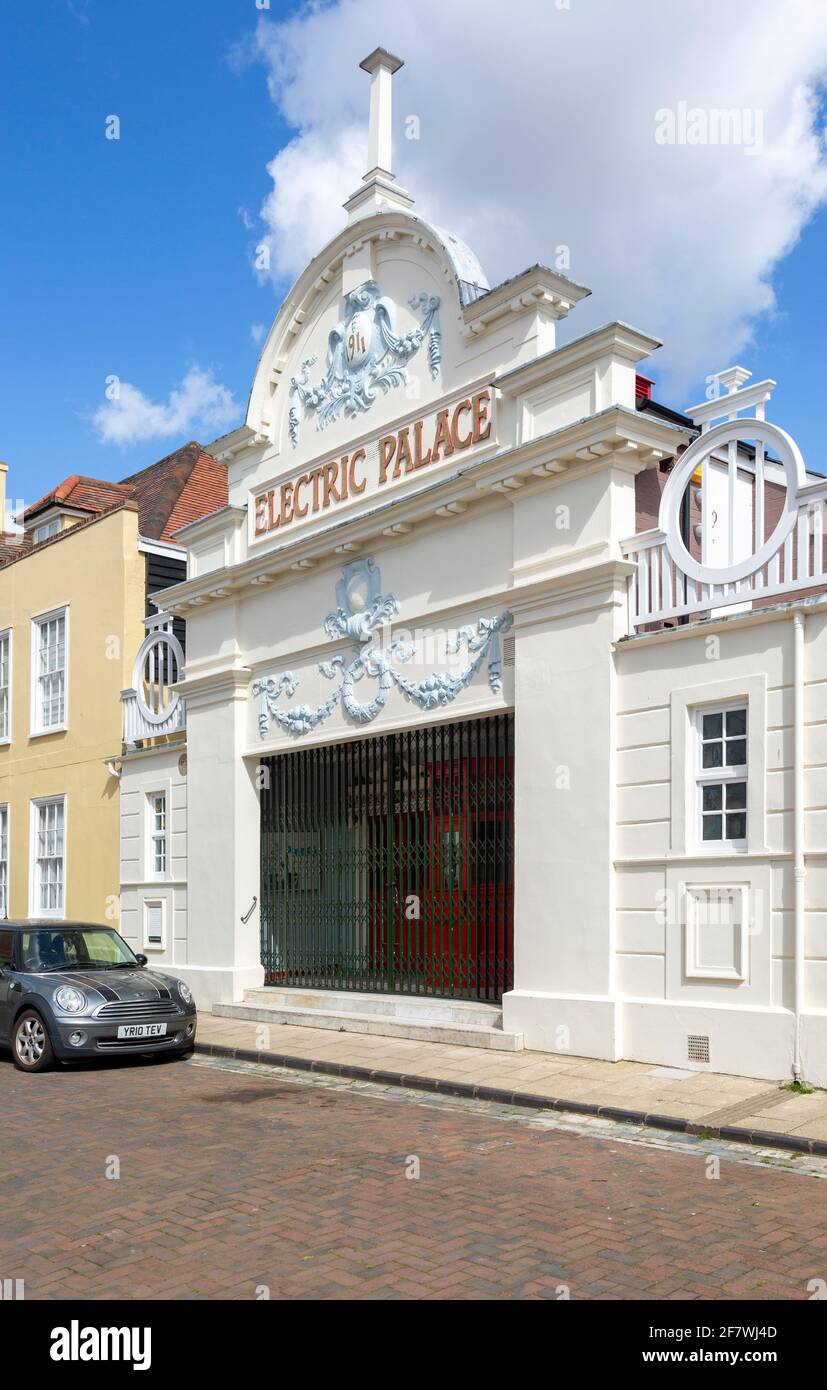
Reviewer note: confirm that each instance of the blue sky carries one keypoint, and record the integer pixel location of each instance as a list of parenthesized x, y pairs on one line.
[(125, 257), (131, 257)]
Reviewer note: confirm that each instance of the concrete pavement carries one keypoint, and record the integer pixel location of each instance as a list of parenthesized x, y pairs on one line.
[(735, 1107)]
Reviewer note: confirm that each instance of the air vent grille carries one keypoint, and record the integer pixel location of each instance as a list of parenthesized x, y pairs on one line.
[(697, 1047), (508, 649)]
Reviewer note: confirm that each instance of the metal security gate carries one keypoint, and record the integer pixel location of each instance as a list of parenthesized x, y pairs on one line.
[(387, 863)]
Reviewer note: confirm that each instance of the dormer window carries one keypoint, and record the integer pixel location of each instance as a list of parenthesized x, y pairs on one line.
[(46, 529)]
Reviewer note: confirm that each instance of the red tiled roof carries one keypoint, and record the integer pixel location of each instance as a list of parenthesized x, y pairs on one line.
[(185, 486), (180, 488), (81, 494), (13, 546), (205, 492)]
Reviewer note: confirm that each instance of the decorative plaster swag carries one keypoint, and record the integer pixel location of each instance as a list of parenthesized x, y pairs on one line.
[(362, 610)]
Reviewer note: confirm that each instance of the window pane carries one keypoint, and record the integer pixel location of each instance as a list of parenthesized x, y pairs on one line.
[(736, 722), (713, 827), (51, 672), (736, 752), (713, 725), (736, 826), (49, 865), (736, 796), (713, 755), (713, 798)]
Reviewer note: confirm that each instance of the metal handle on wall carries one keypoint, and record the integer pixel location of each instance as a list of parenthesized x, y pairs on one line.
[(249, 914)]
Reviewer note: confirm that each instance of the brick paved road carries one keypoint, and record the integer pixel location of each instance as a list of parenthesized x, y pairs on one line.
[(230, 1181)]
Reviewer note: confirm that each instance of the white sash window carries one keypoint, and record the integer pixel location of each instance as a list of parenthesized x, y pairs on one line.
[(49, 857), (49, 670), (722, 776), (4, 861), (5, 686), (157, 834)]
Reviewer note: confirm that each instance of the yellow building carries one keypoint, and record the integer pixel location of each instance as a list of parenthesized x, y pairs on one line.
[(75, 581)]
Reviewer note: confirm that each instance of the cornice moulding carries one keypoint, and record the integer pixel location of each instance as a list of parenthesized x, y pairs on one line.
[(532, 288), (233, 679), (215, 523), (618, 339)]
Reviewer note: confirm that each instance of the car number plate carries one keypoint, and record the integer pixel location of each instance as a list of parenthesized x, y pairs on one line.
[(142, 1030)]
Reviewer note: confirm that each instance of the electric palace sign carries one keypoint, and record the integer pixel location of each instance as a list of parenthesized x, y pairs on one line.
[(380, 463)]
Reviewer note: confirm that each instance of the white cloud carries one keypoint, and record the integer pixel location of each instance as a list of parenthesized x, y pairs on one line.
[(311, 176), (257, 332), (199, 404), (538, 130)]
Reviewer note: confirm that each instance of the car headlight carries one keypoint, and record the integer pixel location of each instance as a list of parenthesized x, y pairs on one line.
[(185, 992), (69, 999)]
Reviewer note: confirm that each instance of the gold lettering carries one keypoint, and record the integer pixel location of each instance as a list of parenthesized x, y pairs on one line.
[(459, 442), (358, 457), (419, 461), (262, 509), (286, 515), (404, 452), (387, 449), (331, 472), (480, 404), (316, 475), (442, 437), (300, 510), (274, 517)]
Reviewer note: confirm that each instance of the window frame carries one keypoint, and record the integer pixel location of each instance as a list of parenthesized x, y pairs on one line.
[(50, 527), (6, 635), (5, 816), (750, 690), (161, 903), (36, 728), (35, 910), (154, 837), (720, 776)]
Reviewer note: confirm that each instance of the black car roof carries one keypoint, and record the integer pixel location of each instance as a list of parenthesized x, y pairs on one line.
[(26, 924)]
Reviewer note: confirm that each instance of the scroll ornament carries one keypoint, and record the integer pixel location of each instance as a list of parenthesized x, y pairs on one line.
[(365, 354), (362, 609)]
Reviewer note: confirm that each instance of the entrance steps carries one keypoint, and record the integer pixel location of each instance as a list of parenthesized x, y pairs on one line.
[(457, 1021)]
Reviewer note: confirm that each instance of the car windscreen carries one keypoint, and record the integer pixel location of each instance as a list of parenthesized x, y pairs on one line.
[(84, 947)]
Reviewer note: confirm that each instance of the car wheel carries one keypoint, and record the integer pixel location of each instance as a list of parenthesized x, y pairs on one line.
[(31, 1045)]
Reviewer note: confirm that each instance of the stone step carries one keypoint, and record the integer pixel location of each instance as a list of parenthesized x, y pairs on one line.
[(381, 1025), (421, 1008)]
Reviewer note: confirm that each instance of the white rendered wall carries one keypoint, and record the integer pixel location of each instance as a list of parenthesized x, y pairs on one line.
[(143, 774), (224, 843), (749, 1022)]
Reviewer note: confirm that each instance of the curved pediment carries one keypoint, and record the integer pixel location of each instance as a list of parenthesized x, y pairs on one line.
[(371, 330)]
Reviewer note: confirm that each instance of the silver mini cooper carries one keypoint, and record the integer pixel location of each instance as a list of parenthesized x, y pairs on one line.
[(73, 990)]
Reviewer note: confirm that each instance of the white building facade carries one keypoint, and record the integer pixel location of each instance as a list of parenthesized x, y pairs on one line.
[(470, 723)]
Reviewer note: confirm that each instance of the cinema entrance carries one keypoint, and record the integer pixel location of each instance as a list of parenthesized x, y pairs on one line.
[(387, 863)]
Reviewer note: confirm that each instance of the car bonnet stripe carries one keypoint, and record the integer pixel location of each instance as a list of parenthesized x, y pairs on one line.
[(98, 985)]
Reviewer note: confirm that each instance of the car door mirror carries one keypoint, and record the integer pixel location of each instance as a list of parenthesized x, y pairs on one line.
[(142, 960)]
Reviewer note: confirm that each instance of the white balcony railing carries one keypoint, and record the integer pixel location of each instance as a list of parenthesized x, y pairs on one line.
[(151, 707), (748, 473)]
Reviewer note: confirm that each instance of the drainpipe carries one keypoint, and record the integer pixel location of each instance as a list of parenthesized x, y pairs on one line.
[(800, 870)]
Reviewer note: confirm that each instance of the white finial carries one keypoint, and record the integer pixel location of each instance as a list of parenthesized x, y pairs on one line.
[(379, 189), (733, 378), (381, 65)]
